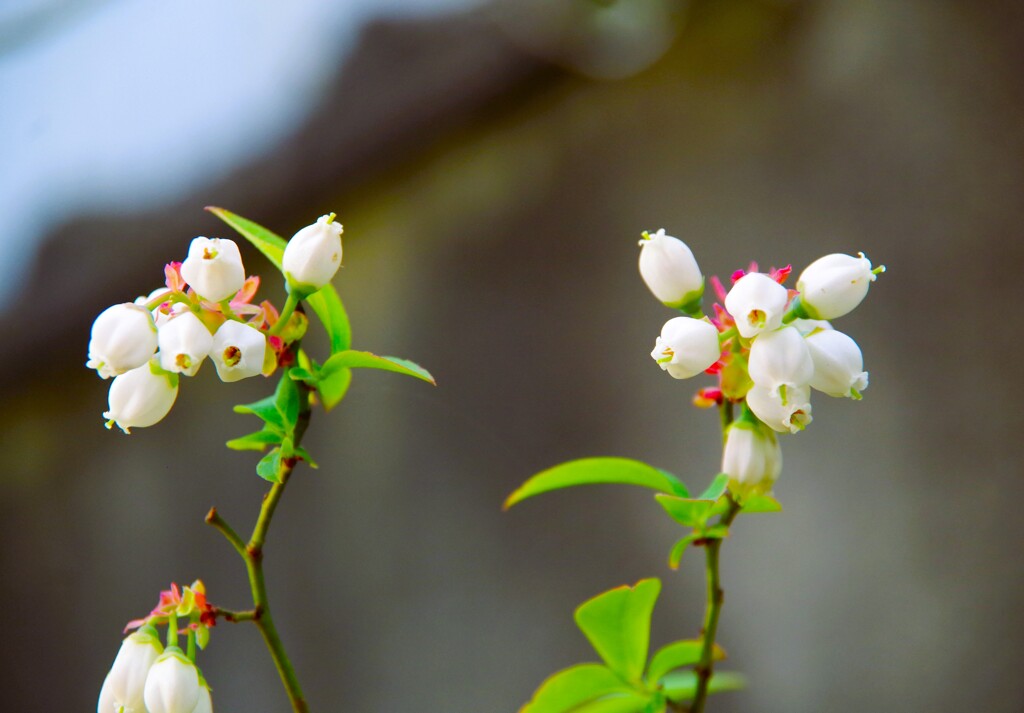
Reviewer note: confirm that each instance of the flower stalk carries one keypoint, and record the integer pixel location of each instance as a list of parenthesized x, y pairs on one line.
[(251, 553)]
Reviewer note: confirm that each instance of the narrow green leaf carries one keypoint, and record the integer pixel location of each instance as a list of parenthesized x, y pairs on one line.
[(269, 467), (717, 487), (326, 302), (356, 359), (618, 625), (268, 243), (304, 455), (332, 388), (679, 548), (685, 511), (331, 312), (715, 532), (297, 373), (255, 441), (590, 471), (624, 703), (265, 409), (761, 503), (676, 655), (286, 399), (571, 687), (682, 685)]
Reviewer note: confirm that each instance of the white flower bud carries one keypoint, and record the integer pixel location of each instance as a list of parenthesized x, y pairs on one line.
[(786, 409), (238, 351), (184, 342), (123, 688), (213, 268), (751, 458), (313, 255), (838, 364), (140, 398), (780, 357), (686, 347), (123, 337), (670, 271), (757, 303), (833, 285), (172, 685)]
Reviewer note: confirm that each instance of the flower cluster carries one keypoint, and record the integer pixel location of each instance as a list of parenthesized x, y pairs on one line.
[(769, 346), (205, 309), (146, 677)]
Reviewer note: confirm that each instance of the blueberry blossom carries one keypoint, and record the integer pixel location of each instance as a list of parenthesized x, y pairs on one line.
[(213, 268), (184, 342), (172, 685), (141, 397), (238, 351), (670, 271), (686, 347), (780, 358), (838, 364), (313, 255), (123, 337), (786, 409), (751, 458), (124, 686), (757, 304), (834, 285)]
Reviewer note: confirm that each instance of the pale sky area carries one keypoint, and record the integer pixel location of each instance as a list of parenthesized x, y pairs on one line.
[(137, 102)]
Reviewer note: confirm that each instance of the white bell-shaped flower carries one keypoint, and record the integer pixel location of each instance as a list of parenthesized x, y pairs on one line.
[(123, 337), (213, 268), (809, 326), (834, 285), (686, 347), (313, 255), (786, 409), (838, 364), (141, 397), (184, 342), (205, 703), (780, 357), (757, 303), (238, 351), (123, 688), (751, 458), (670, 271), (172, 685)]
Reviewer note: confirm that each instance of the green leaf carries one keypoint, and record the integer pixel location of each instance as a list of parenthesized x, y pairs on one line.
[(297, 373), (715, 532), (589, 471), (618, 625), (686, 511), (269, 467), (286, 399), (267, 410), (682, 685), (678, 654), (625, 703), (326, 302), (355, 359), (761, 503), (332, 388), (717, 487), (571, 687), (676, 555), (255, 441), (271, 245), (304, 455), (331, 312)]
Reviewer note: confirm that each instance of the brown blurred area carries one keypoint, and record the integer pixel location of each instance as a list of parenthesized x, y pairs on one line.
[(493, 180)]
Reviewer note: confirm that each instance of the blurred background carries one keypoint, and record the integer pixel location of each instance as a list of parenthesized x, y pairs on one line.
[(494, 165)]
